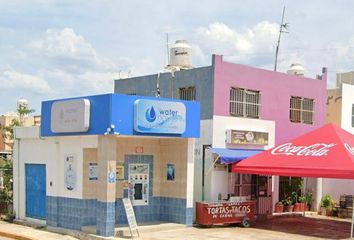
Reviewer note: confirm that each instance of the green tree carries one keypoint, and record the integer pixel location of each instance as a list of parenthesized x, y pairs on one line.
[(8, 131), (6, 193)]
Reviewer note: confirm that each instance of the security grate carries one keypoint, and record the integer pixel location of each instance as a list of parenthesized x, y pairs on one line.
[(188, 93), (301, 110), (244, 103)]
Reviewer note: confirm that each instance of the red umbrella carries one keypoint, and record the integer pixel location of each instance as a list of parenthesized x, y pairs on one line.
[(325, 152)]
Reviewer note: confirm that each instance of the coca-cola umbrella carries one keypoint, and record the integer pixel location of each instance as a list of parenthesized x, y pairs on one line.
[(325, 152)]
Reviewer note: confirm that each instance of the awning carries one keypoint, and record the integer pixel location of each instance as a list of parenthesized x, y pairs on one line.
[(325, 152), (227, 156)]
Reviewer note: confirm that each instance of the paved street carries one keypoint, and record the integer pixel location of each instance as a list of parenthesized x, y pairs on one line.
[(283, 227), (277, 228)]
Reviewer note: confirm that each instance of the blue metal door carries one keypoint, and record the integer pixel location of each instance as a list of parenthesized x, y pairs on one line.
[(35, 190)]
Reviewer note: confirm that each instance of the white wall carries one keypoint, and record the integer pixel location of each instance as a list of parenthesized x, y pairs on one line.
[(220, 179), (337, 187), (190, 173), (51, 151), (347, 103), (205, 139)]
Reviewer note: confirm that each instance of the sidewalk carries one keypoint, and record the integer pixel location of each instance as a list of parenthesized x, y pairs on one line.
[(21, 232)]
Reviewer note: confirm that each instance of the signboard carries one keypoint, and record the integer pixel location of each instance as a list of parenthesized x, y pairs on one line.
[(129, 211), (119, 171), (111, 177), (246, 137), (152, 116), (70, 116), (93, 171), (170, 172), (70, 172), (224, 212)]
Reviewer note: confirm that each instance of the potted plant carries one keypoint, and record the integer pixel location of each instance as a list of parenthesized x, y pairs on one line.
[(308, 201), (326, 205), (302, 201), (288, 203), (279, 207), (294, 198)]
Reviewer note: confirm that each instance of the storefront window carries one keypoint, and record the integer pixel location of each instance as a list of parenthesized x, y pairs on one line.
[(250, 186), (245, 185)]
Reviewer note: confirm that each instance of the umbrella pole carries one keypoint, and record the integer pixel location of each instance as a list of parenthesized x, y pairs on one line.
[(305, 180), (351, 229)]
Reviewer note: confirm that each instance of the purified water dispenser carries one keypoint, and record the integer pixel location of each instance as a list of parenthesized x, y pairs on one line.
[(139, 184)]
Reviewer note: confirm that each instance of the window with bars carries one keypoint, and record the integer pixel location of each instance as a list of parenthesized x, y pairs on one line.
[(187, 93), (301, 110), (244, 103), (353, 115)]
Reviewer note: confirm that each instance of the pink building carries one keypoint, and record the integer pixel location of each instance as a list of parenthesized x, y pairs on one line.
[(276, 90)]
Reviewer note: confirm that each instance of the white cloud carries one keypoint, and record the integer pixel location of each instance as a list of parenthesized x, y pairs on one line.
[(73, 66), (242, 46), (69, 51), (12, 79)]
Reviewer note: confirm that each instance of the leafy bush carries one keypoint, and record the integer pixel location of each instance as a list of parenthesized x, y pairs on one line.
[(287, 201), (302, 199), (294, 197), (326, 201), (308, 198)]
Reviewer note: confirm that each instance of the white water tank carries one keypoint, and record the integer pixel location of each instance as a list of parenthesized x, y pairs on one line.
[(296, 69), (181, 55), (23, 103)]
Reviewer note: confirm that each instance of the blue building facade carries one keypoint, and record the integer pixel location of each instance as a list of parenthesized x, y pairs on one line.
[(93, 151)]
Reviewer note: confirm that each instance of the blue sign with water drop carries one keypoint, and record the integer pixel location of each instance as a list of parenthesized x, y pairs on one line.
[(154, 116), (111, 177)]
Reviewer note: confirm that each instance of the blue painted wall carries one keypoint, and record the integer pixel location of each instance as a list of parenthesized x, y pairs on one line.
[(118, 109), (201, 78)]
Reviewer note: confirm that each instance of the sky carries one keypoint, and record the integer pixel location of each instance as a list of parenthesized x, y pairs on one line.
[(64, 48)]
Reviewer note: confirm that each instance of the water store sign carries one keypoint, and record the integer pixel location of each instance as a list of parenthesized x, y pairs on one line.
[(153, 116), (70, 116)]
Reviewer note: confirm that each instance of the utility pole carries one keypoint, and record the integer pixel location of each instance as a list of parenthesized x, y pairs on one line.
[(285, 26), (168, 50)]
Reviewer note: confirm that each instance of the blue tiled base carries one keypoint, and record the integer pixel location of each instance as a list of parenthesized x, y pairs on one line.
[(74, 213), (159, 209), (105, 219), (70, 212)]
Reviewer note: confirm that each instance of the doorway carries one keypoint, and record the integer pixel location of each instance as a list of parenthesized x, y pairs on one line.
[(35, 180)]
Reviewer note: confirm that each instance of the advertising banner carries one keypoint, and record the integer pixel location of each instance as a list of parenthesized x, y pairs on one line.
[(153, 116)]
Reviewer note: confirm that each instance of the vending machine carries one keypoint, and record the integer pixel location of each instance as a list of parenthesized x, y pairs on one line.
[(138, 184)]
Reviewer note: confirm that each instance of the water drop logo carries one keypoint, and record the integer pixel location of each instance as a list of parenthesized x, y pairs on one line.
[(150, 114)]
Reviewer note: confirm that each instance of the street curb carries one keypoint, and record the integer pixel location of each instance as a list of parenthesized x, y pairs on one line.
[(16, 236)]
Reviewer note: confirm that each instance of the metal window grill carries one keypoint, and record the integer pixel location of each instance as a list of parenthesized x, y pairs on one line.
[(301, 110), (188, 93), (295, 109), (244, 103)]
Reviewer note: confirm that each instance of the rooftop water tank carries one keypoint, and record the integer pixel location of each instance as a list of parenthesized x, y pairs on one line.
[(296, 69), (181, 55), (23, 103)]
